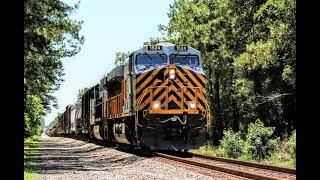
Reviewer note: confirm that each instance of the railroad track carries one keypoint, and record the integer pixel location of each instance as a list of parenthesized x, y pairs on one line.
[(245, 163), (230, 166), (235, 167)]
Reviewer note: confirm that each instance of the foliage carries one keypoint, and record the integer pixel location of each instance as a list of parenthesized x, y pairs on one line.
[(121, 58), (248, 52), (29, 176), (153, 41), (285, 154), (259, 141), (32, 139), (206, 149), (290, 146), (81, 93), (32, 115), (269, 62), (280, 157), (231, 145), (49, 35)]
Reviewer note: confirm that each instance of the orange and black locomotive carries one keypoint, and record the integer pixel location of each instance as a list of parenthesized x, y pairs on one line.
[(156, 100)]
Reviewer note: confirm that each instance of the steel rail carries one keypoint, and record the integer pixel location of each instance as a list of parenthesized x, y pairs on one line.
[(236, 172), (251, 164)]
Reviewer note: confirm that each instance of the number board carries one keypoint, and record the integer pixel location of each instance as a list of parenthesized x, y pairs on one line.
[(181, 48), (154, 48)]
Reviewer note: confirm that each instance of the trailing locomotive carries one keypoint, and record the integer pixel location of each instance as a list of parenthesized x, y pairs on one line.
[(156, 100)]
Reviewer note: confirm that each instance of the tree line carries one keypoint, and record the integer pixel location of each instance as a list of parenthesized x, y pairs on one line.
[(49, 35), (249, 54)]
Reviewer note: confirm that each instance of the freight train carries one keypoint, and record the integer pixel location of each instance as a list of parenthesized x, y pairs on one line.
[(155, 100)]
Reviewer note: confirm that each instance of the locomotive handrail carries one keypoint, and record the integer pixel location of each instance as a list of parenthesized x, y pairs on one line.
[(208, 110), (208, 114)]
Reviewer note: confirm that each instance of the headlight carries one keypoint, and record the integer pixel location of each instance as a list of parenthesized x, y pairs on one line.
[(156, 105), (192, 105), (172, 73)]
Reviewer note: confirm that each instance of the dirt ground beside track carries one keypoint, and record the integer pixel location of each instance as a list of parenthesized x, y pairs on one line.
[(66, 158)]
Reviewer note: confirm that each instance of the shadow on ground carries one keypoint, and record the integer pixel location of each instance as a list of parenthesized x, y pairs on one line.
[(56, 157)]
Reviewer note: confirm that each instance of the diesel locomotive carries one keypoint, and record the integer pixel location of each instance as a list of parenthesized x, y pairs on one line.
[(155, 100)]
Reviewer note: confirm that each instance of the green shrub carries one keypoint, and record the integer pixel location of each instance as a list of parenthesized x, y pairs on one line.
[(290, 146), (33, 114), (279, 158), (259, 141), (231, 145), (245, 157), (206, 149)]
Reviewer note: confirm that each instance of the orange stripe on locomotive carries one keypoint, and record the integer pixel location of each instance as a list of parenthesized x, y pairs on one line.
[(172, 95)]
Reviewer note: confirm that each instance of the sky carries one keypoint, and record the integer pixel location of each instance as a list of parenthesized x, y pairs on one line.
[(108, 27)]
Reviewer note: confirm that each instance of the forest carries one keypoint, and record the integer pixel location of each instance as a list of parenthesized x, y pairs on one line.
[(249, 55), (49, 35)]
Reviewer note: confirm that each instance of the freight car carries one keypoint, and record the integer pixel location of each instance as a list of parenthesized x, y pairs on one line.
[(155, 100), (63, 125), (77, 119), (52, 127)]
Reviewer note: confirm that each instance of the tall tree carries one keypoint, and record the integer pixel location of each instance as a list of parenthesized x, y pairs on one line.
[(235, 36), (214, 27), (269, 62), (49, 35)]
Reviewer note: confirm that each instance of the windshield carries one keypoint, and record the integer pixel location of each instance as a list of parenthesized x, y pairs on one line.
[(151, 59), (190, 60)]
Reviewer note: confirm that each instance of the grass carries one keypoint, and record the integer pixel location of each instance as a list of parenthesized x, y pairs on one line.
[(32, 139), (278, 158), (281, 159), (207, 150), (283, 156), (30, 172)]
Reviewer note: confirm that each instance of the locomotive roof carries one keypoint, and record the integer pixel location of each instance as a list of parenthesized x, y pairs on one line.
[(115, 74), (168, 48)]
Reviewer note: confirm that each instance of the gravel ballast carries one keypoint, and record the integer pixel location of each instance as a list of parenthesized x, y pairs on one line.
[(66, 158)]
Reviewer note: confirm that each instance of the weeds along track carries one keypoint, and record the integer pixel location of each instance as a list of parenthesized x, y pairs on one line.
[(234, 167), (250, 164)]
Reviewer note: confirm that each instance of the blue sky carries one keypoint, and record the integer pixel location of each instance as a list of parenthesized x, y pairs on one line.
[(108, 27)]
